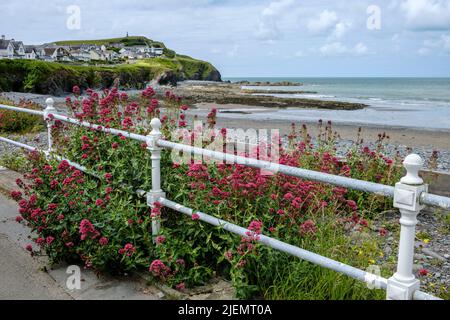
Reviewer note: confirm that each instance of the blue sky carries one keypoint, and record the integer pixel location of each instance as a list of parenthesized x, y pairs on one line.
[(261, 37)]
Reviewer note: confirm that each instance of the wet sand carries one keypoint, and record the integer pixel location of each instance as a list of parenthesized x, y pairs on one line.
[(234, 116)]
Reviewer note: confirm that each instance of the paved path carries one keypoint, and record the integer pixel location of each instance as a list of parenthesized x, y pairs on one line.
[(25, 277)]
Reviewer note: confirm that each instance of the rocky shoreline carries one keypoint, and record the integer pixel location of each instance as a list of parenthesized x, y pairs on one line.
[(233, 93)]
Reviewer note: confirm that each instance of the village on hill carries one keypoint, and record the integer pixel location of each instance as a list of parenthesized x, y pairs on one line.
[(80, 52)]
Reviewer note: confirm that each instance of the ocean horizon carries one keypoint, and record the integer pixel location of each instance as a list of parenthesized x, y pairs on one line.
[(392, 101)]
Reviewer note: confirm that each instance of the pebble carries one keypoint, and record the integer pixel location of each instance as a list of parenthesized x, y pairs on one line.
[(433, 254)]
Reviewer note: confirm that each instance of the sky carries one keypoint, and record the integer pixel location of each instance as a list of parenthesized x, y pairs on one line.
[(259, 38)]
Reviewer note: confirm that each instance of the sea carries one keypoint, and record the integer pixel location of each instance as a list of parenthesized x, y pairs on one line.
[(420, 103)]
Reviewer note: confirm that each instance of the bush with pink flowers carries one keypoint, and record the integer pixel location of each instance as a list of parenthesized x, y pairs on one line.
[(101, 221)]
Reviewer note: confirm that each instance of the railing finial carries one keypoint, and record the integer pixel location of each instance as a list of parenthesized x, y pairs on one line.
[(49, 102), (156, 126), (412, 163)]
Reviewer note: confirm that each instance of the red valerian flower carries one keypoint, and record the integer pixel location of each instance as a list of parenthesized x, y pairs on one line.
[(103, 241), (19, 219), (76, 90), (308, 227), (160, 239), (88, 230), (158, 268), (98, 202), (255, 226), (195, 216), (181, 286), (128, 249), (29, 247), (49, 240), (383, 232), (16, 195), (423, 272)]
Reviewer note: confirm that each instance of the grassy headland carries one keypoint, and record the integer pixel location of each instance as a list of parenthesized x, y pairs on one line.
[(56, 78)]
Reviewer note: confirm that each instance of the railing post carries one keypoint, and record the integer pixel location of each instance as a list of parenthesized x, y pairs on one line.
[(50, 109), (403, 283), (156, 191)]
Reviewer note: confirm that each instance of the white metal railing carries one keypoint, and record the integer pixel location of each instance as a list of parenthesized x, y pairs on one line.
[(410, 195)]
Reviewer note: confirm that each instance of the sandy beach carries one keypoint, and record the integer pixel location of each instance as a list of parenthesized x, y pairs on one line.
[(232, 116)]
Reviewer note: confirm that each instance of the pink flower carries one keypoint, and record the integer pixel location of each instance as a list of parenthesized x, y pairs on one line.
[(103, 241), (423, 272), (158, 268), (19, 219), (288, 196), (16, 195), (49, 240), (88, 230), (181, 286), (160, 239), (229, 255), (29, 247), (76, 90), (128, 249), (255, 226), (383, 232), (308, 227), (195, 216), (98, 202)]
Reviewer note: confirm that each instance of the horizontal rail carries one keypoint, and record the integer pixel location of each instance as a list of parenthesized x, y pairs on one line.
[(18, 144), (361, 185), (435, 200), (11, 108), (101, 128), (420, 295), (282, 246), (290, 171)]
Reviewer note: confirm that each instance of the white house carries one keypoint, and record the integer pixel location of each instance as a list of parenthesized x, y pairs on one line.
[(30, 52), (54, 54), (19, 49), (6, 49)]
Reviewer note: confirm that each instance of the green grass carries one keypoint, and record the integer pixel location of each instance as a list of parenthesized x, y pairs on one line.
[(127, 41), (57, 78)]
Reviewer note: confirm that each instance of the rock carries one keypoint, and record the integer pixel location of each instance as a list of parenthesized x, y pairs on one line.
[(447, 256), (433, 254), (213, 76), (419, 256), (417, 267), (168, 77)]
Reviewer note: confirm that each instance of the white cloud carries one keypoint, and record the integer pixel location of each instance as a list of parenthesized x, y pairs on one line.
[(325, 21), (440, 45), (341, 29), (427, 14), (328, 21), (339, 49), (268, 29)]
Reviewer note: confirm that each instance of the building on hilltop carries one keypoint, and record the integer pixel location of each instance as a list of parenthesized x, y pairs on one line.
[(83, 52)]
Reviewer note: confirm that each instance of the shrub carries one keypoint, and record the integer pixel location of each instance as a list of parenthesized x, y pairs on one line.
[(101, 221), (19, 122)]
